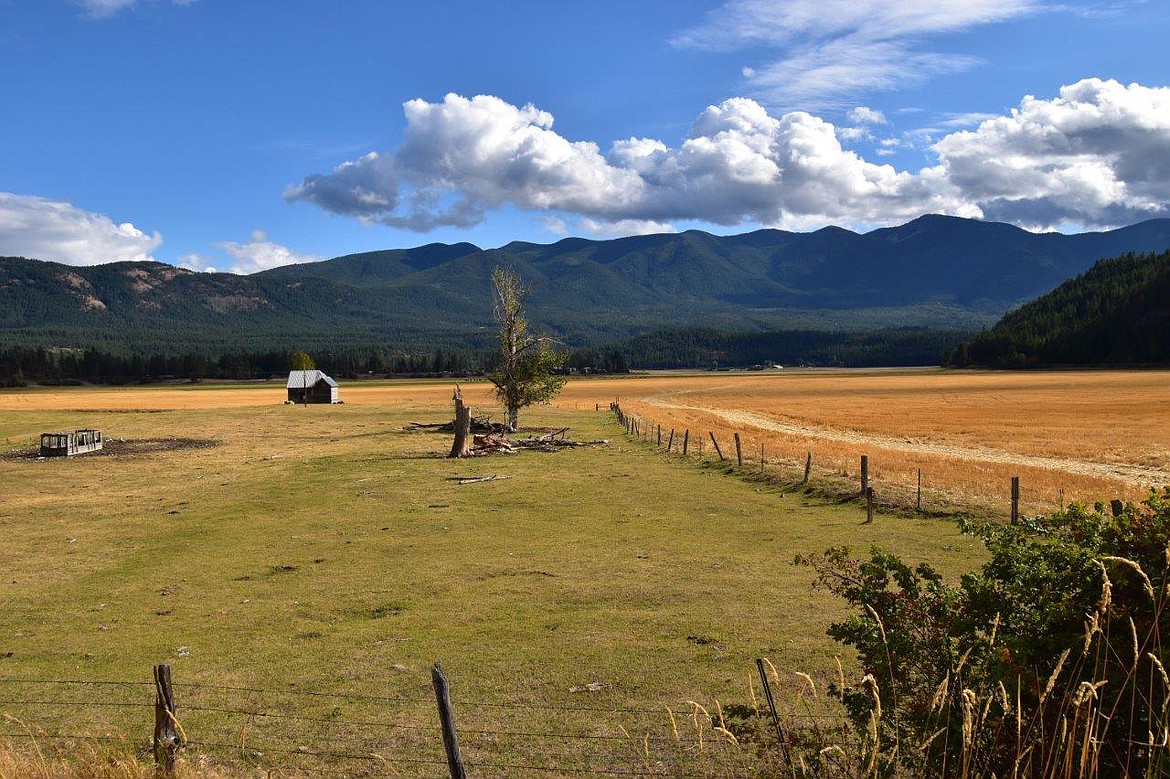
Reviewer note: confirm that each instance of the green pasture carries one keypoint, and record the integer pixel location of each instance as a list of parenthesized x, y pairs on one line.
[(328, 550)]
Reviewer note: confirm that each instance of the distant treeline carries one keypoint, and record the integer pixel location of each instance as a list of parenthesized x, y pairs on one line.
[(706, 348), (690, 348), (1116, 313), (679, 349), (21, 365)]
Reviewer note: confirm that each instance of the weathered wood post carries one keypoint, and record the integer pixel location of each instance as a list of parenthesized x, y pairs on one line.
[(670, 441), (1015, 499), (167, 738), (660, 435), (718, 451), (761, 461), (461, 446), (686, 440), (738, 451), (919, 503), (447, 722), (807, 468), (864, 473), (868, 505)]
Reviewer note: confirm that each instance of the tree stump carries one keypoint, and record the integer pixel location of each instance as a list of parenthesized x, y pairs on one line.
[(461, 447)]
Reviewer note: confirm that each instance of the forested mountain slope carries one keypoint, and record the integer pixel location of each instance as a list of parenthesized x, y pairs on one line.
[(1118, 312), (935, 272)]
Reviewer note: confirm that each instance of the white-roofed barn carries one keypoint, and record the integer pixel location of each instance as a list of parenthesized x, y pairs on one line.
[(311, 387)]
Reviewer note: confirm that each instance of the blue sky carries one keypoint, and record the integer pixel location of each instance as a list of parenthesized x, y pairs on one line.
[(242, 135)]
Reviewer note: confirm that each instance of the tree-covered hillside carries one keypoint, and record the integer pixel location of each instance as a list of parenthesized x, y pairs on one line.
[(938, 272), (1117, 313)]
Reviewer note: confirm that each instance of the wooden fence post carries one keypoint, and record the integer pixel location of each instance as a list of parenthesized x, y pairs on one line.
[(670, 441), (447, 721), (1015, 499), (780, 736), (167, 738), (660, 435), (864, 473), (919, 489), (686, 440), (718, 451), (761, 461), (807, 468), (738, 451), (869, 505)]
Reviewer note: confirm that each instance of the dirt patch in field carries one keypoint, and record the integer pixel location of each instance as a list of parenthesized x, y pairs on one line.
[(125, 447)]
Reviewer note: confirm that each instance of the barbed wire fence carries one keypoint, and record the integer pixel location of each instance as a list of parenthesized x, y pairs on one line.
[(301, 732), (749, 458)]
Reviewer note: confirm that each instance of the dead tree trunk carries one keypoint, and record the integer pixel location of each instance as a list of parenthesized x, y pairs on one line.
[(462, 444)]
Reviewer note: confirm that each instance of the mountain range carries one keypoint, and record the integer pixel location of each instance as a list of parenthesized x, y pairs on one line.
[(933, 272)]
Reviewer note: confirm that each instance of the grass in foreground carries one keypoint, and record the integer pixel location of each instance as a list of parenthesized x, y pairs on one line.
[(320, 559)]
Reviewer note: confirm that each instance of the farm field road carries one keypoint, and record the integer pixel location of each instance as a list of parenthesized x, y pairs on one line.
[(1133, 474), (1084, 435)]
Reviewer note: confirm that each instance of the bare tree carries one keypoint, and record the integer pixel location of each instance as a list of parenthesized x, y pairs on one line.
[(528, 367)]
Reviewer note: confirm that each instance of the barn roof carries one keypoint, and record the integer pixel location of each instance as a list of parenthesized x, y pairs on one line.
[(299, 379)]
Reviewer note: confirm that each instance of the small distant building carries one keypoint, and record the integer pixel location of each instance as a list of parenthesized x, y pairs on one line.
[(311, 387), (67, 444)]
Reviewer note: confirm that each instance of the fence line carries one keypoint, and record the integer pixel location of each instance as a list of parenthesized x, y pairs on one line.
[(676, 756), (866, 493)]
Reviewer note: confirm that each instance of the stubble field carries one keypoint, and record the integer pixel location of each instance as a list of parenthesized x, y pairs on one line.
[(1069, 435), (318, 560)]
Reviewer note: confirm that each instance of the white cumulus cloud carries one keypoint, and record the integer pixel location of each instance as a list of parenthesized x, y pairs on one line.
[(1097, 155), (256, 254), (823, 51), (44, 229), (464, 157)]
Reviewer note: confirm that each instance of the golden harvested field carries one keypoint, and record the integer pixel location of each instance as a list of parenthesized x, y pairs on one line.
[(1083, 435)]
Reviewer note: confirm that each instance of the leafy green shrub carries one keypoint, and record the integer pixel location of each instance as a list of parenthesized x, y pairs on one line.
[(1046, 663)]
